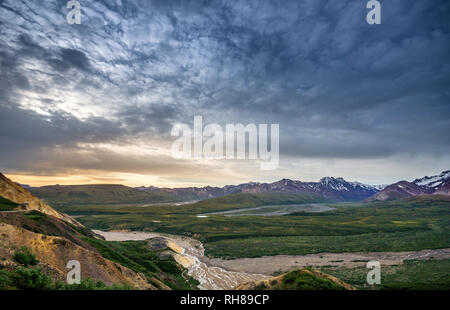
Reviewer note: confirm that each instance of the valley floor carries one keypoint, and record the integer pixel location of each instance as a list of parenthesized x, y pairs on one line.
[(409, 237), (282, 263), (217, 273)]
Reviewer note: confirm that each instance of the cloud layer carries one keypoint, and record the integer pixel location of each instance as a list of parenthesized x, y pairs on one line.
[(102, 97)]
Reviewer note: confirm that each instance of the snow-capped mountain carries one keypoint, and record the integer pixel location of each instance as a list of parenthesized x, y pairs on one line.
[(429, 185), (332, 188), (340, 189), (328, 187), (434, 181)]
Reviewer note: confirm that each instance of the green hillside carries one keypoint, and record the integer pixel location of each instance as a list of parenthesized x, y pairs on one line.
[(301, 279), (6, 204), (248, 200), (432, 274), (68, 195)]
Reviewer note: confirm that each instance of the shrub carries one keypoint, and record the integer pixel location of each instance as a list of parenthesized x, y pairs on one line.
[(7, 205), (31, 279), (301, 280), (88, 284), (35, 215), (261, 286), (25, 257), (169, 266), (5, 279)]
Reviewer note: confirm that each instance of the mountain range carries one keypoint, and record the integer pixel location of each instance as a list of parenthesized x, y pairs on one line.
[(330, 188), (337, 189)]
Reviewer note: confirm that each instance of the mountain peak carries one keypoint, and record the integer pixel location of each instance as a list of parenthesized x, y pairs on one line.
[(433, 181), (428, 185), (328, 180)]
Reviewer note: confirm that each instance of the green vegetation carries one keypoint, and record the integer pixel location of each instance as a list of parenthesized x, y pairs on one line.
[(88, 284), (67, 195), (246, 200), (25, 257), (35, 215), (410, 224), (29, 276), (35, 279), (137, 256), (300, 279), (7, 205), (411, 275), (31, 279), (304, 280), (300, 245)]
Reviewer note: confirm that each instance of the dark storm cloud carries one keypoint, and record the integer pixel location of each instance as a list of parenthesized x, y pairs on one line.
[(339, 88), (10, 77), (156, 119), (60, 59), (71, 58)]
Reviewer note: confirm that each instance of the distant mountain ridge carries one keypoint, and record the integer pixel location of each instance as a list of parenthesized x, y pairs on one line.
[(328, 187), (428, 185), (59, 195)]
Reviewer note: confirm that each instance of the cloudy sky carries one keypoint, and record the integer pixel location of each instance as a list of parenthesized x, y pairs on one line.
[(95, 102)]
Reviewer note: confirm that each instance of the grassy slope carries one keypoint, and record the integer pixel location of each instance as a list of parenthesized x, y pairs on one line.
[(57, 195), (413, 274), (411, 224), (133, 254), (247, 200), (6, 204), (29, 275), (301, 279), (41, 223), (136, 256)]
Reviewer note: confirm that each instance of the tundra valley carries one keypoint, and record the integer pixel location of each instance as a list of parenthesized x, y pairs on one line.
[(283, 235)]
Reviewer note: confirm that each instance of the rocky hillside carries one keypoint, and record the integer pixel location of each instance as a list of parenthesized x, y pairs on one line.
[(54, 253), (302, 279), (50, 239), (14, 192)]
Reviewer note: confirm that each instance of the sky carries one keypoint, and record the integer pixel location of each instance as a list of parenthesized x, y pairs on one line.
[(96, 102)]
